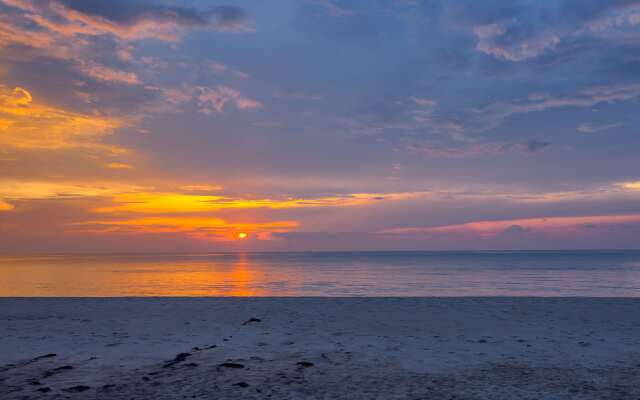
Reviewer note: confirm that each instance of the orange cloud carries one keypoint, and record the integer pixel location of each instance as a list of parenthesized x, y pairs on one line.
[(69, 23), (27, 124), (36, 190), (10, 34), (65, 23), (201, 188), (60, 31), (201, 227), (138, 210), (139, 200), (161, 203), (4, 206), (117, 165), (106, 74), (631, 185), (492, 228)]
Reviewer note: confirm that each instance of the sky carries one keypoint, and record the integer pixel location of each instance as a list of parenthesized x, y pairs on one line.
[(158, 126)]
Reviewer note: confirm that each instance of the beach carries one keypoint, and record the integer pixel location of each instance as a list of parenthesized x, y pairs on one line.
[(320, 348)]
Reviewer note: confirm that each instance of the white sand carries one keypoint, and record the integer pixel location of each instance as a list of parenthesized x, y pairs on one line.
[(493, 348)]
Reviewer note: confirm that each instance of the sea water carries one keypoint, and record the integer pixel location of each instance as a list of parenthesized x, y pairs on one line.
[(429, 273)]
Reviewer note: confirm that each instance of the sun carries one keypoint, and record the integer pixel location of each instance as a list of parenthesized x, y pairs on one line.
[(242, 235)]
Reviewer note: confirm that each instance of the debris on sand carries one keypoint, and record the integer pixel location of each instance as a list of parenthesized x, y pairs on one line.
[(231, 365), (77, 389), (108, 386), (180, 357), (304, 364), (49, 355), (57, 370)]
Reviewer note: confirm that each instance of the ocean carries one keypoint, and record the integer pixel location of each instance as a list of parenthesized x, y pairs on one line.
[(423, 273)]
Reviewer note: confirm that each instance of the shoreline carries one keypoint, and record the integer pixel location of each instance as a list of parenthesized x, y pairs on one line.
[(356, 347)]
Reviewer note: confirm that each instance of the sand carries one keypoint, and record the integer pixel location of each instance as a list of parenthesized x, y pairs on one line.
[(320, 348)]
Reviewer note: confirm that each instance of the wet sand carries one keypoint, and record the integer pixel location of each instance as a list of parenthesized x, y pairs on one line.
[(320, 348)]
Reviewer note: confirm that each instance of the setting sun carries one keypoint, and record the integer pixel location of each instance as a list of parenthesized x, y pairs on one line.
[(242, 235)]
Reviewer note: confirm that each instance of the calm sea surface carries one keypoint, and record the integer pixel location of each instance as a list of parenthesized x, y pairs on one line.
[(494, 273)]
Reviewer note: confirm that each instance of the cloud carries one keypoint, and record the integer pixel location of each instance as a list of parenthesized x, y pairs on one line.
[(515, 230), (524, 32), (618, 23), (332, 9), (424, 102), (201, 188), (73, 30), (27, 124), (231, 19), (4, 206), (66, 22), (219, 68), (310, 235), (497, 227), (21, 190), (111, 208), (495, 113), (18, 35), (630, 185), (132, 12), (417, 117), (590, 128), (118, 165), (458, 150), (132, 20), (165, 202), (106, 74), (177, 95), (198, 227), (216, 99), (453, 151), (533, 146), (423, 128), (492, 40)]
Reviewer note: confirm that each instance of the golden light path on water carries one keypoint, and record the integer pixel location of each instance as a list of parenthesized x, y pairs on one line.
[(98, 276)]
